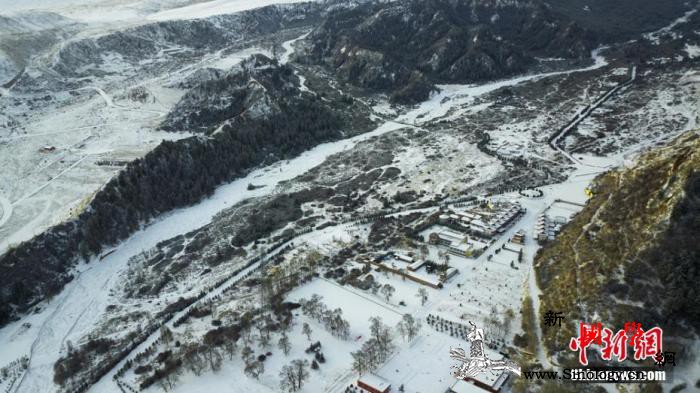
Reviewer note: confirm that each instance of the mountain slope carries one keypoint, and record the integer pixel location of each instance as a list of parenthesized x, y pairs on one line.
[(175, 174), (405, 47), (25, 35), (632, 253), (621, 19), (252, 89)]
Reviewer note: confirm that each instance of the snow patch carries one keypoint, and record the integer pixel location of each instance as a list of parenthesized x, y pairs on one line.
[(212, 8), (692, 50)]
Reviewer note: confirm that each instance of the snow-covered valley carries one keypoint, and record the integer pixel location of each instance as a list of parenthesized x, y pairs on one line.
[(488, 148)]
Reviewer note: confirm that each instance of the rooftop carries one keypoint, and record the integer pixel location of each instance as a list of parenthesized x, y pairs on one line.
[(374, 381)]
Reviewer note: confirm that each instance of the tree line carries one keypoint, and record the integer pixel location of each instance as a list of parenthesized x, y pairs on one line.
[(174, 174)]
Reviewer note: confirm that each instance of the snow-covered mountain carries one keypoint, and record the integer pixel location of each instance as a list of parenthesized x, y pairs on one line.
[(27, 34)]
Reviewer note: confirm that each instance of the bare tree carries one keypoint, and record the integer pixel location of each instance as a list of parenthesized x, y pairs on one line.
[(343, 329), (246, 353), (360, 362), (284, 344), (247, 334), (193, 359), (381, 336), (402, 329), (409, 327), (213, 357), (369, 357), (230, 346), (293, 376), (313, 258), (313, 307), (169, 379), (264, 340), (254, 369), (301, 371), (287, 379), (306, 330), (422, 295), (388, 291)]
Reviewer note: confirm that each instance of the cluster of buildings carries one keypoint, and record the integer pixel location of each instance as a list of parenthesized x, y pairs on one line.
[(456, 243), (547, 228), (446, 238), (485, 221), (411, 269)]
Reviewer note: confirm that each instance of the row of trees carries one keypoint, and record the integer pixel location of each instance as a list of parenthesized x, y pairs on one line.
[(251, 327), (332, 320), (375, 350)]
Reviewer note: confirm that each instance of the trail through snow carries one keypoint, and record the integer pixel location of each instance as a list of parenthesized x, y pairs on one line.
[(6, 207), (110, 102)]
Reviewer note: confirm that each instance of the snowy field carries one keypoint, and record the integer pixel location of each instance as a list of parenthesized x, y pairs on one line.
[(214, 7), (61, 157), (447, 165), (111, 11)]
